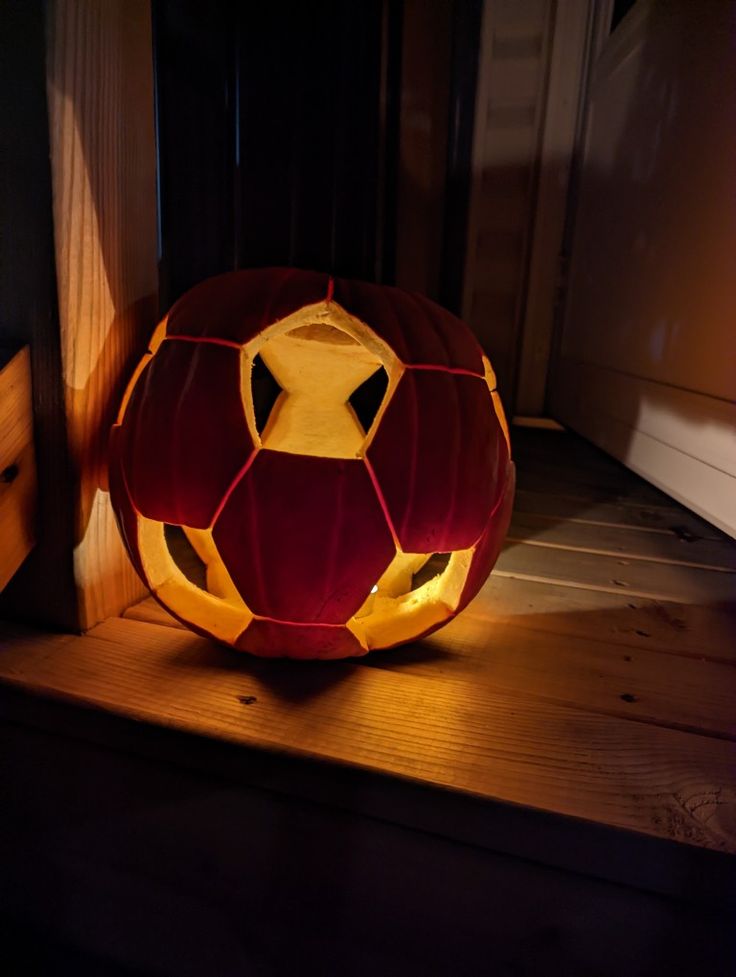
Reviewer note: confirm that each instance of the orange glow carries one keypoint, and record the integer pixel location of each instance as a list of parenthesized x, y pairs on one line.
[(314, 543)]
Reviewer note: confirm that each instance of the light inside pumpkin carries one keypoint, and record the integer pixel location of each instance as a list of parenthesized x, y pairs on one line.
[(316, 383)]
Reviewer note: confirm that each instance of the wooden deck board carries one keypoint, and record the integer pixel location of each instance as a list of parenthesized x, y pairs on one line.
[(632, 543), (452, 733), (671, 519), (638, 578), (603, 676), (593, 677), (694, 630)]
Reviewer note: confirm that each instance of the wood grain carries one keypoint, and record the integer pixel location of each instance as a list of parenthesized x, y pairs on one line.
[(42, 591), (595, 676), (17, 464), (672, 519), (525, 657), (453, 733), (697, 631), (703, 631), (637, 578), (100, 106), (634, 544)]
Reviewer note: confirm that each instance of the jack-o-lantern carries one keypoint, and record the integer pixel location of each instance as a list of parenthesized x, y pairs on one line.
[(310, 467)]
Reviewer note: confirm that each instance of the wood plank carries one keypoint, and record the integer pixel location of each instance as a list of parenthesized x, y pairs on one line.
[(637, 578), (674, 519), (100, 110), (453, 733), (698, 631), (17, 464), (595, 676), (617, 541), (586, 671), (42, 591), (579, 479), (562, 446)]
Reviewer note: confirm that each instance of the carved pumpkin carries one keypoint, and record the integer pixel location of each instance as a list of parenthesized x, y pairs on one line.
[(310, 467)]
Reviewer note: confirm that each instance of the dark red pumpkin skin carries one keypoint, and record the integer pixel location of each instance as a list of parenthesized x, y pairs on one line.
[(304, 538)]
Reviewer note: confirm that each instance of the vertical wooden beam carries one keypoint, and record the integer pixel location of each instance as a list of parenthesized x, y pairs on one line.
[(101, 125), (17, 464), (43, 589)]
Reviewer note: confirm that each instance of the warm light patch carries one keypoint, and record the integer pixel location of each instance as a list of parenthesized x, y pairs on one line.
[(400, 606), (318, 364), (224, 618), (311, 452)]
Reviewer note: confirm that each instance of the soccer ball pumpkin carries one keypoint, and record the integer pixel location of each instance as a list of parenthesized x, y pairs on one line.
[(309, 467)]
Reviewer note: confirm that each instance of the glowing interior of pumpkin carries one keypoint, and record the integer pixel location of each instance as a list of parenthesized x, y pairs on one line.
[(316, 363)]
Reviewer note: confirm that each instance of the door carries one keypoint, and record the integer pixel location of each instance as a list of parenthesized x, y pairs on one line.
[(646, 360)]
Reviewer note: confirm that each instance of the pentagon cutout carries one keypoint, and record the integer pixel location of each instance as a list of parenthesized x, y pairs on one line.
[(439, 458), (184, 436), (236, 306), (273, 639), (304, 539)]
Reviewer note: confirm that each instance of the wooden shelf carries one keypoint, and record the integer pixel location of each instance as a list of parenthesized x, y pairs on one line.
[(568, 717), (17, 463)]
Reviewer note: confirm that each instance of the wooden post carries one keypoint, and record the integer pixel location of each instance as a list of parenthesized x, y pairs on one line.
[(101, 127), (17, 464)]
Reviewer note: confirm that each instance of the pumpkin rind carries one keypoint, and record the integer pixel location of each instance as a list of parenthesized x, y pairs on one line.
[(269, 639), (439, 456), (238, 305), (418, 330), (304, 539), (185, 435), (489, 545), (301, 523)]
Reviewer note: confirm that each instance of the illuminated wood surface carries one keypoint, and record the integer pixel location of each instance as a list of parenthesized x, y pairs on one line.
[(100, 108), (17, 464), (595, 704)]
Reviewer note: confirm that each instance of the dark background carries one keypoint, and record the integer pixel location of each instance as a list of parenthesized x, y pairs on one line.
[(278, 137)]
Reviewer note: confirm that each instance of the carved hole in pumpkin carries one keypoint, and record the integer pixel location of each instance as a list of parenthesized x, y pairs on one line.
[(366, 399), (419, 588), (435, 565), (266, 390), (184, 556), (318, 368)]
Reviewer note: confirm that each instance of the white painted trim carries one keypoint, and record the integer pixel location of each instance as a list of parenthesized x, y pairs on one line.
[(657, 431)]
